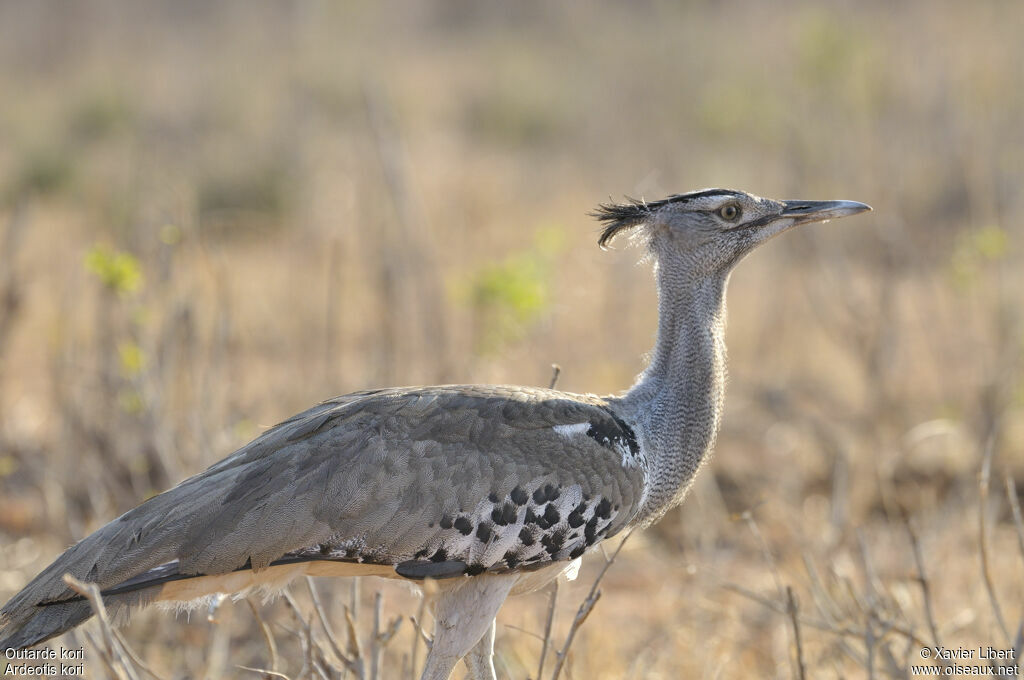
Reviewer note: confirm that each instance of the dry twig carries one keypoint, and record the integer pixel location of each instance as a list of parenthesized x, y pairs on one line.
[(111, 651), (264, 671), (556, 371), (380, 636), (552, 600), (417, 633), (584, 611), (268, 636), (748, 517), (826, 626), (318, 608), (922, 578), (986, 571), (1018, 523), (793, 610)]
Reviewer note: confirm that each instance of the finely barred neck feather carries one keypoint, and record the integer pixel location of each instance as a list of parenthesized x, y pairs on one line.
[(696, 240), (676, 403)]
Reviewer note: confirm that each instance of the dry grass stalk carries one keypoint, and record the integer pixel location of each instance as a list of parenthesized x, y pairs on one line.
[(365, 662), (416, 636), (769, 558), (381, 636), (793, 611), (133, 656), (108, 663), (421, 632), (408, 273), (986, 570), (318, 608), (355, 654), (304, 634), (823, 600), (1018, 522), (552, 601), (922, 579), (585, 608), (268, 636), (265, 672), (556, 371), (11, 292), (826, 626), (113, 654), (871, 640)]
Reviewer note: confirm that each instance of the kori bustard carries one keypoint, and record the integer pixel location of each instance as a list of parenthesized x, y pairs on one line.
[(488, 490)]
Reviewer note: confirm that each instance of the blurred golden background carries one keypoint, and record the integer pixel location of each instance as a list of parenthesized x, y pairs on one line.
[(217, 214)]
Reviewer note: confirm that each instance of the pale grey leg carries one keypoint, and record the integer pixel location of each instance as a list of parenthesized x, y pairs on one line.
[(480, 660), (464, 611)]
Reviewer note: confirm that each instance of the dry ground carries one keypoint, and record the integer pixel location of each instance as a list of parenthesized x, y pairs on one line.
[(213, 217)]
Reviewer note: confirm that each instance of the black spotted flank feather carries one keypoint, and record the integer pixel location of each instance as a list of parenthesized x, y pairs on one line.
[(618, 217)]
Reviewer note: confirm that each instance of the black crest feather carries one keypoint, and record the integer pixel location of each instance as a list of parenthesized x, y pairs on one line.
[(618, 217)]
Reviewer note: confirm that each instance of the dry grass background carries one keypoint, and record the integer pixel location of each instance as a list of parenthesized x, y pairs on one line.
[(214, 215)]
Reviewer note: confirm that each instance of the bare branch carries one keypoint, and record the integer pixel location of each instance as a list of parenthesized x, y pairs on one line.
[(130, 653), (585, 608), (986, 571), (380, 636), (870, 642), (1011, 495), (355, 648), (922, 578), (792, 609), (748, 517), (417, 633), (422, 633), (268, 636), (331, 639), (556, 371), (264, 671), (828, 627), (111, 649), (552, 600)]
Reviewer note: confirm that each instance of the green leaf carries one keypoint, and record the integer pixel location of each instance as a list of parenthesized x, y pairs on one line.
[(116, 270), (131, 357)]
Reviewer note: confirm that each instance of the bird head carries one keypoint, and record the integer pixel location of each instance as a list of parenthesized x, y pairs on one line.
[(713, 229)]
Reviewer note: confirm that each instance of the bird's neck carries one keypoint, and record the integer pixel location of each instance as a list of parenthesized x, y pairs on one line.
[(677, 401)]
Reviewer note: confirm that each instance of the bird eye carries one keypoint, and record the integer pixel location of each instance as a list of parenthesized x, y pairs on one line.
[(729, 212)]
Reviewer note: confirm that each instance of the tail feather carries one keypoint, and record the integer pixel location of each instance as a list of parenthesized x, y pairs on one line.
[(145, 537), (99, 558), (223, 519), (45, 622)]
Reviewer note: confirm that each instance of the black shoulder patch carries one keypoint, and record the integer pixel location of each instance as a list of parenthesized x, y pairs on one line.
[(613, 430)]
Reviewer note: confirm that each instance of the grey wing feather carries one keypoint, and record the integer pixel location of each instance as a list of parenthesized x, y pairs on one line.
[(421, 569), (475, 476)]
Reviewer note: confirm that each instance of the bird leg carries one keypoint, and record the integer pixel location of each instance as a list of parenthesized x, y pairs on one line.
[(480, 660), (464, 611)]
